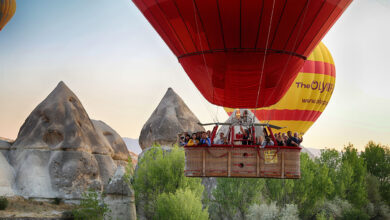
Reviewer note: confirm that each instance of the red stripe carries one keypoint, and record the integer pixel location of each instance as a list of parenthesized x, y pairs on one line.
[(318, 67), (287, 115)]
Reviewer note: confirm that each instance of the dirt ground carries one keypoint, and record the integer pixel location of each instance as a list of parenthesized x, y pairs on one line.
[(18, 207)]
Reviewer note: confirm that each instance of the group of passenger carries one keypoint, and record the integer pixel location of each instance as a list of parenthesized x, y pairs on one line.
[(244, 135), (198, 138), (245, 138), (288, 140)]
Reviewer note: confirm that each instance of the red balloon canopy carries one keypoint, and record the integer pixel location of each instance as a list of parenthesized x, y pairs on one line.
[(242, 53)]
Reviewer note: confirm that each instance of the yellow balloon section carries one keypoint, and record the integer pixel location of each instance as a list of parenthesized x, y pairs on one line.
[(307, 96), (7, 10)]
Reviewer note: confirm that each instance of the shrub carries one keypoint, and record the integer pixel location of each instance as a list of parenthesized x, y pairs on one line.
[(290, 212), (3, 203), (90, 207), (273, 212), (356, 214), (333, 209), (233, 197), (160, 172), (183, 204)]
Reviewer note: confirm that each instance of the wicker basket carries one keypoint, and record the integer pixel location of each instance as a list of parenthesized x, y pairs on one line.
[(243, 161)]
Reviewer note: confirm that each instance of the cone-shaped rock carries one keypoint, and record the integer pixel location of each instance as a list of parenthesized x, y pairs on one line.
[(61, 152), (112, 139), (60, 122), (171, 117)]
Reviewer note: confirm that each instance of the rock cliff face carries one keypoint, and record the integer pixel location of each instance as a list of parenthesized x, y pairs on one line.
[(171, 117), (60, 152), (6, 177)]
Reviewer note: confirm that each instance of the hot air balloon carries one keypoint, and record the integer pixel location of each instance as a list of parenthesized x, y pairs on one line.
[(7, 10), (307, 96), (242, 54)]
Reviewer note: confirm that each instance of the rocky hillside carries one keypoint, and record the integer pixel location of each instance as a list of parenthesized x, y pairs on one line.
[(60, 153)]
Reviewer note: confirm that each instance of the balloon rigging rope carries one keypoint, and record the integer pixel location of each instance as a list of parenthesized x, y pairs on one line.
[(290, 55), (264, 59), (214, 117)]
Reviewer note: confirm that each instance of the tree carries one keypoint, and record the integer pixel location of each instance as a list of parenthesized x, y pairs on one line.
[(160, 172), (377, 159), (233, 196), (183, 204), (354, 167), (313, 187), (331, 158), (273, 212)]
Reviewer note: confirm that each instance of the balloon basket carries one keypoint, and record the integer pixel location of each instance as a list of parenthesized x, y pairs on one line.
[(242, 161)]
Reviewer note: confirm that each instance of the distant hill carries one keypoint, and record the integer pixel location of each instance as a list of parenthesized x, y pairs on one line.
[(132, 145), (312, 152)]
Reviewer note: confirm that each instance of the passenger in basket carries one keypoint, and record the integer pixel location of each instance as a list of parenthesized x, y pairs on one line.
[(209, 134), (193, 141), (246, 137), (221, 139), (299, 139), (285, 139), (205, 140), (279, 140), (267, 142), (259, 140), (198, 136), (292, 141), (225, 140), (188, 137), (182, 139)]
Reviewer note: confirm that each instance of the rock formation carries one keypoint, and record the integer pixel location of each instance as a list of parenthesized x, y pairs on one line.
[(60, 122), (171, 117), (60, 152), (4, 147), (6, 177), (119, 197)]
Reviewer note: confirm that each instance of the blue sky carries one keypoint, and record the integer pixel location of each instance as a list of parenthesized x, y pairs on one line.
[(118, 66)]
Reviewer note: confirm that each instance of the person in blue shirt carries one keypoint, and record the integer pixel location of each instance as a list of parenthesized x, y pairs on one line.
[(292, 141), (299, 139), (205, 139), (267, 142)]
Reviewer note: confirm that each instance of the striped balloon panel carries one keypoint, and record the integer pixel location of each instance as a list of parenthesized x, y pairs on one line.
[(307, 96)]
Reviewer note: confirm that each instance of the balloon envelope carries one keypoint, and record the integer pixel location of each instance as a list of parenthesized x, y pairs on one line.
[(242, 54), (7, 10), (307, 96)]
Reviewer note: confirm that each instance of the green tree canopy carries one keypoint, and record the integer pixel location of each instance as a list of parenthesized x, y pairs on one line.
[(183, 204), (377, 159), (160, 172), (233, 196)]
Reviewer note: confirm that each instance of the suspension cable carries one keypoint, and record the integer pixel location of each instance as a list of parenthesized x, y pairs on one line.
[(290, 54), (264, 59), (215, 118)]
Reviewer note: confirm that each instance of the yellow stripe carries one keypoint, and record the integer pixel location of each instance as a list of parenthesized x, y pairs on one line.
[(309, 91)]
